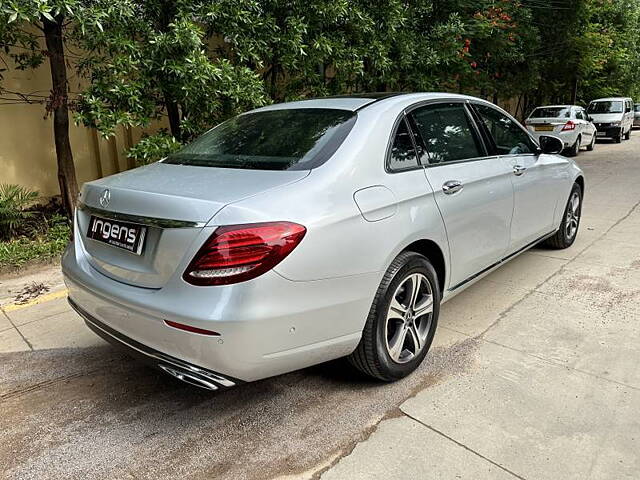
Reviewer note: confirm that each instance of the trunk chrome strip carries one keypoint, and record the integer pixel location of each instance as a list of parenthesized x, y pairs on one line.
[(139, 219)]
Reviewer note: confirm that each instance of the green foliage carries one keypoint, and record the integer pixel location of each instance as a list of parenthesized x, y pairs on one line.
[(196, 63), (14, 201), (43, 248), (152, 148)]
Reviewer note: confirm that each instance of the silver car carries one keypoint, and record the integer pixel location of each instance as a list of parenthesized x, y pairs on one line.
[(304, 232)]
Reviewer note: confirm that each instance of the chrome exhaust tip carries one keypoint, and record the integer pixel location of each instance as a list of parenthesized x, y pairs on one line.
[(189, 377)]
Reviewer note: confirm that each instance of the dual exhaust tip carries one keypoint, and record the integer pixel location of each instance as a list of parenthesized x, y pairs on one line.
[(196, 377)]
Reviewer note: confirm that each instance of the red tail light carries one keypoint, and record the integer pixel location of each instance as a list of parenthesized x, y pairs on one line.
[(569, 126), (236, 253)]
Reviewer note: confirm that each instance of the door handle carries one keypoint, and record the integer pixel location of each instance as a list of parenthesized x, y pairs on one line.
[(452, 186), (519, 170)]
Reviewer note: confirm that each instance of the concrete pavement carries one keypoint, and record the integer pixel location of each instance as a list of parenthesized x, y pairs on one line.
[(533, 375)]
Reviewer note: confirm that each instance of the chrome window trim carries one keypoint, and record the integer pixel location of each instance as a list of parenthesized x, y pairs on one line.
[(139, 219)]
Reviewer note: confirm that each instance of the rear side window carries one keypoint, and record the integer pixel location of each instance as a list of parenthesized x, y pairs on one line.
[(403, 155), (447, 132), (551, 112), (508, 136), (290, 139)]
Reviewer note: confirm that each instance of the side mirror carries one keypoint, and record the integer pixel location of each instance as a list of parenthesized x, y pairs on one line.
[(550, 144), (589, 118)]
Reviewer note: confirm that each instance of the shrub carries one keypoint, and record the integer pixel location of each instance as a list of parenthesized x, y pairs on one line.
[(152, 148), (14, 201)]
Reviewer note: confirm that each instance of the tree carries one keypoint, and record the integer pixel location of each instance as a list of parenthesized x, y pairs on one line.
[(155, 60), (21, 21)]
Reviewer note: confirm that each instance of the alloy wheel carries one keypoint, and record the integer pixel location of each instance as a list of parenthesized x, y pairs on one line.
[(409, 318), (573, 216)]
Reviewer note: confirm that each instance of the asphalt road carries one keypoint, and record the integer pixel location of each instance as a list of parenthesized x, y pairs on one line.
[(82, 409)]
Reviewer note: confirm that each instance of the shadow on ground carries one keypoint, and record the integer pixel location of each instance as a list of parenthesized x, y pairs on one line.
[(96, 413)]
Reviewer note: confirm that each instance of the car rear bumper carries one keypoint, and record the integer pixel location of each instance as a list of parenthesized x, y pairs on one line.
[(266, 326), (568, 138)]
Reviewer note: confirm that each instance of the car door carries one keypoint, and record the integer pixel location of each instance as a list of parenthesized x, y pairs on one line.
[(532, 175), (583, 126), (472, 190)]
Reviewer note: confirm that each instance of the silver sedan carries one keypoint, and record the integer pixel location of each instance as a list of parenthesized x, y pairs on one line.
[(303, 232)]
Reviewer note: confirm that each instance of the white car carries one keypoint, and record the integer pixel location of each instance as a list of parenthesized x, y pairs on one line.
[(613, 117), (570, 123)]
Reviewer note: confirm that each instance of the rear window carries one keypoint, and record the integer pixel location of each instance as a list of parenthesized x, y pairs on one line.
[(551, 112), (605, 107), (291, 139)]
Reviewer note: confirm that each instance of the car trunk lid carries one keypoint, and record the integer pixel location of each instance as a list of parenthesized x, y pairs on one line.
[(172, 203), (549, 125)]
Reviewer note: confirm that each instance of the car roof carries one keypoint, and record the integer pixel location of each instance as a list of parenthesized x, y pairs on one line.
[(559, 106), (606, 99), (358, 101)]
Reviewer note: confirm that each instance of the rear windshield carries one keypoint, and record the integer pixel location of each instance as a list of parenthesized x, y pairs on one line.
[(292, 139), (605, 107), (551, 112)]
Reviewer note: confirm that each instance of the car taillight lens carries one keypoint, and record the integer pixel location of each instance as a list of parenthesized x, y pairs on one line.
[(235, 253), (569, 126)]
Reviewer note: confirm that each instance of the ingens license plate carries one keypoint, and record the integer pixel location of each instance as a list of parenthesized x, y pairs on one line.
[(544, 128), (125, 235)]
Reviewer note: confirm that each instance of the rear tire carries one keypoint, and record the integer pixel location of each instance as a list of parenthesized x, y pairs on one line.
[(575, 148), (592, 145), (566, 235), (402, 321)]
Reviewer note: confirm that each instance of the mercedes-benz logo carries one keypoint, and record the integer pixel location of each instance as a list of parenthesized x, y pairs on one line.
[(105, 198)]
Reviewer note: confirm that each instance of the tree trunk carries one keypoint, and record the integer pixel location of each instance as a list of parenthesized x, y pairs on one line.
[(174, 117), (59, 105)]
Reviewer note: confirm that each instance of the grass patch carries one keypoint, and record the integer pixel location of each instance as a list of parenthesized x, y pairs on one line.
[(42, 248)]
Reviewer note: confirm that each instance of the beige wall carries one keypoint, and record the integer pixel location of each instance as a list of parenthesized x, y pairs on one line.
[(27, 151)]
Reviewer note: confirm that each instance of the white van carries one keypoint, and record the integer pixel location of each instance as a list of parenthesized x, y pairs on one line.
[(613, 117)]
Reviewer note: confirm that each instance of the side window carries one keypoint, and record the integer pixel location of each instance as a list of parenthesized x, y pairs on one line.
[(403, 155), (509, 137), (447, 132)]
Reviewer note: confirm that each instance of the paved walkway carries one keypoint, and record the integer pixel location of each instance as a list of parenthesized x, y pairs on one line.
[(534, 374)]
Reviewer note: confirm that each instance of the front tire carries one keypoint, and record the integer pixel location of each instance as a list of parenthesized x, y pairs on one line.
[(628, 135), (618, 138), (402, 320), (568, 231), (592, 145)]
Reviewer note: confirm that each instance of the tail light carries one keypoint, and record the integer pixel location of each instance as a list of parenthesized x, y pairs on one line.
[(236, 253), (568, 126)]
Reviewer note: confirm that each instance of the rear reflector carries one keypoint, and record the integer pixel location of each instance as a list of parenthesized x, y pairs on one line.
[(236, 253), (189, 328)]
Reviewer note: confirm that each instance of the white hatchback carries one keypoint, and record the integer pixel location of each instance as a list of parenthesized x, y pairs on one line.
[(570, 123)]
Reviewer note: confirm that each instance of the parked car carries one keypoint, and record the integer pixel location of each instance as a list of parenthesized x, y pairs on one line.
[(570, 123), (636, 115), (302, 232), (613, 117)]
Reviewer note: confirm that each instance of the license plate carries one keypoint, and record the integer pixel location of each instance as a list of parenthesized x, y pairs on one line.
[(124, 235), (544, 128), (601, 134)]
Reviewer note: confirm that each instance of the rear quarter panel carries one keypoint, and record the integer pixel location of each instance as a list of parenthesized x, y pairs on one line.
[(339, 240)]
